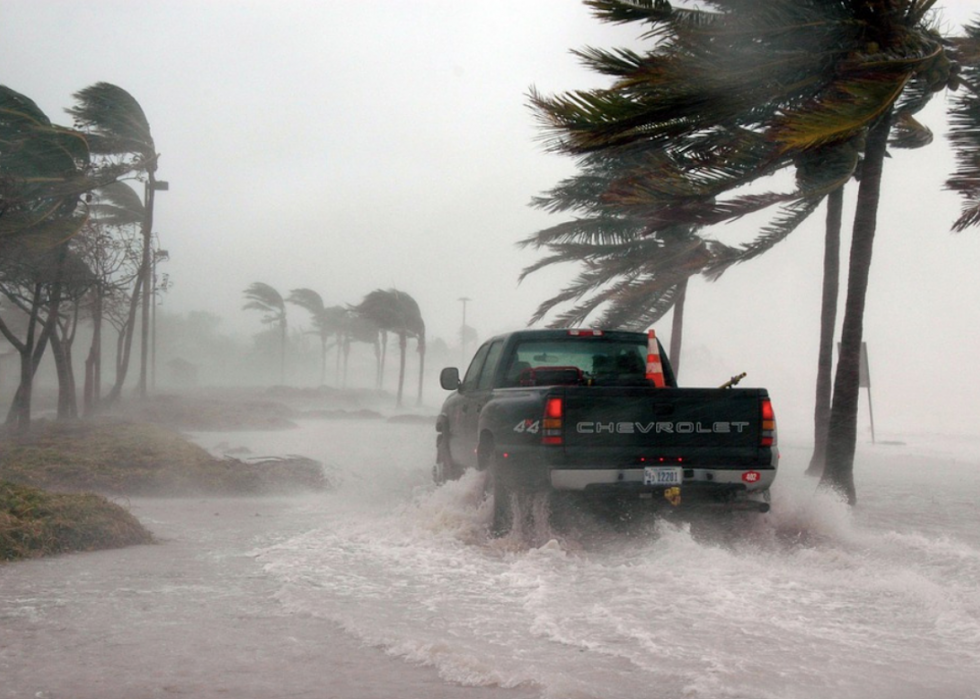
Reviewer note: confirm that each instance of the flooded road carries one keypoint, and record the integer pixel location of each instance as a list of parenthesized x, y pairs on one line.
[(388, 586)]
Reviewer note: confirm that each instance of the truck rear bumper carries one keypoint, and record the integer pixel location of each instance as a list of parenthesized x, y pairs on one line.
[(708, 480)]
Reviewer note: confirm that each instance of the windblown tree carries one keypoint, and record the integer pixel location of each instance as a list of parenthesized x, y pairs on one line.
[(635, 272), (395, 311), (328, 322), (44, 175), (77, 281), (264, 298), (117, 129), (358, 329), (727, 96), (110, 245), (30, 282)]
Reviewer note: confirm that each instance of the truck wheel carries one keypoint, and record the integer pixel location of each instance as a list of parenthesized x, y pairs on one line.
[(500, 486), (445, 469)]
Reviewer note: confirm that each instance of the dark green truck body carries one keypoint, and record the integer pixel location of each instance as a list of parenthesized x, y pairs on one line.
[(615, 431)]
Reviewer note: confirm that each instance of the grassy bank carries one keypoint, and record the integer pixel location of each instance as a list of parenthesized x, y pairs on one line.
[(36, 523), (115, 457), (53, 482)]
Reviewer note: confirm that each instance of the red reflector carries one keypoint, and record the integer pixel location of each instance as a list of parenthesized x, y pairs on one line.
[(553, 407)]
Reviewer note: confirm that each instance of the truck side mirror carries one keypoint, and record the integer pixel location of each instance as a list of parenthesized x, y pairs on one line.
[(449, 378)]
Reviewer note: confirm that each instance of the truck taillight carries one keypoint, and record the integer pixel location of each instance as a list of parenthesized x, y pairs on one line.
[(578, 332), (553, 410), (768, 433)]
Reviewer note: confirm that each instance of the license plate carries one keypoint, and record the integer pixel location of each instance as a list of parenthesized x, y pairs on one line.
[(663, 475)]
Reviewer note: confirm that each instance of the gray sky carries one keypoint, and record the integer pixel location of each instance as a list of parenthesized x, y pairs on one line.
[(349, 146)]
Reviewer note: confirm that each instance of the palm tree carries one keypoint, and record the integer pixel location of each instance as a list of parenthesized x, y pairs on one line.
[(357, 328), (636, 268), (813, 77), (262, 297), (396, 311), (117, 126), (327, 322), (45, 174)]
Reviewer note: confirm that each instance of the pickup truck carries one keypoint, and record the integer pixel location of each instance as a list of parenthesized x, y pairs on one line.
[(580, 410)]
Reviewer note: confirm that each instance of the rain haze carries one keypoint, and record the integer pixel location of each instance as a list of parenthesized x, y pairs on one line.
[(346, 147), (350, 146)]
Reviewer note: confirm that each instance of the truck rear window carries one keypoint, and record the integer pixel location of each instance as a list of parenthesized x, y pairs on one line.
[(571, 361)]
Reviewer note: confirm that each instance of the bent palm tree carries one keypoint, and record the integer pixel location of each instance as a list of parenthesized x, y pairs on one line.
[(396, 311), (264, 298), (117, 127), (758, 85), (327, 322)]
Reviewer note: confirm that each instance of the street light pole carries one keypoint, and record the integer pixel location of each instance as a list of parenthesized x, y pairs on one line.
[(462, 332)]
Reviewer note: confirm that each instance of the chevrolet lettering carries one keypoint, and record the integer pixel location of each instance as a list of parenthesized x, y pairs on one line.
[(599, 415), (661, 427)]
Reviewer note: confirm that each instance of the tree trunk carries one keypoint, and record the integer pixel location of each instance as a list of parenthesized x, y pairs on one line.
[(421, 369), (677, 327), (125, 345), (92, 392), (828, 322), (402, 347), (381, 361), (282, 353), (31, 353), (343, 383), (62, 362), (323, 360), (842, 431), (19, 413)]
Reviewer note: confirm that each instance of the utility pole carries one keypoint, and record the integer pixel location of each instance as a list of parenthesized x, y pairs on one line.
[(152, 186), (462, 332), (158, 256)]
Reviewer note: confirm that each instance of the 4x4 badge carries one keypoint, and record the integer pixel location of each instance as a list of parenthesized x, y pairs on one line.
[(532, 426)]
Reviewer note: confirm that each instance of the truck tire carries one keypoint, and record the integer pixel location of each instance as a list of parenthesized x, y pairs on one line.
[(501, 488), (445, 469)]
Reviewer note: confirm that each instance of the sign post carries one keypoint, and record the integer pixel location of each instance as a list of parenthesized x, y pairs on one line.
[(864, 381)]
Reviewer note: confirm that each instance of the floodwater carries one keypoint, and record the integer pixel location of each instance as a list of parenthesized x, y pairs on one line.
[(389, 586)]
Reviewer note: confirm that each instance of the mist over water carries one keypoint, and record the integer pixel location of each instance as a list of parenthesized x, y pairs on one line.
[(811, 600)]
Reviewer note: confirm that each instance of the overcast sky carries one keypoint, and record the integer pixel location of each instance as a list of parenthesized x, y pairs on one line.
[(349, 146)]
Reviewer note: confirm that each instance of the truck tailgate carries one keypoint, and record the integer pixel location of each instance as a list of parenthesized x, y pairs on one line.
[(700, 425)]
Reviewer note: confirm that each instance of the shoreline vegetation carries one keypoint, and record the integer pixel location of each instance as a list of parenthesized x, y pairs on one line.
[(59, 482)]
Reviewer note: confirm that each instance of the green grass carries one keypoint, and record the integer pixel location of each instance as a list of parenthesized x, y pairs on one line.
[(36, 523), (49, 479), (140, 459)]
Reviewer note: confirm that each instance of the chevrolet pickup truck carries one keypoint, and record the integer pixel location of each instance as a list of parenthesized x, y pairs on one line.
[(600, 412)]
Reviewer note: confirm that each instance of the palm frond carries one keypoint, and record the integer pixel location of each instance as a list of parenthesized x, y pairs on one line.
[(308, 300), (964, 134), (116, 121), (262, 297)]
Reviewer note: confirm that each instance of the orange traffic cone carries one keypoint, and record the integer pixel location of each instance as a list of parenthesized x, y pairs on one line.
[(655, 370)]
